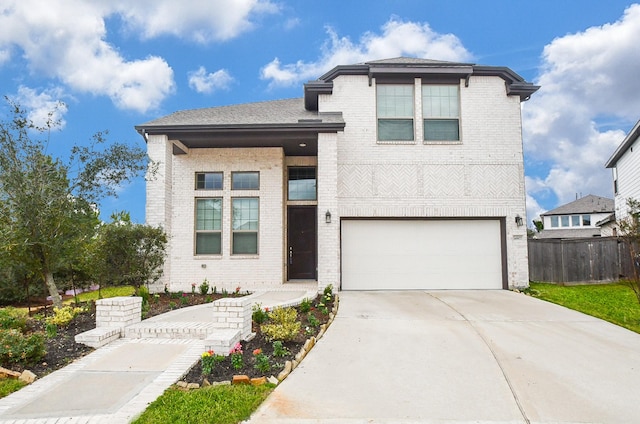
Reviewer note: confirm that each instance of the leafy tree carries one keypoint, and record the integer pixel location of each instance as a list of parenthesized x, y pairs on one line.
[(538, 224), (128, 253), (47, 205), (630, 235)]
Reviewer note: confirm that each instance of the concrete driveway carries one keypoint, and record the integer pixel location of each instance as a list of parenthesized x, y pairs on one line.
[(461, 357)]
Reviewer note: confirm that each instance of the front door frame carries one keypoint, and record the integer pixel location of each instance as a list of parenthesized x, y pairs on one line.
[(309, 252)]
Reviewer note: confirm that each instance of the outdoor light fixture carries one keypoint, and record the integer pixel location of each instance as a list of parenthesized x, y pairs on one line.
[(327, 217), (518, 220)]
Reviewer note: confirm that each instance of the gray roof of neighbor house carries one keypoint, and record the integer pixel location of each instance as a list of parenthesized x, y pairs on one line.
[(586, 204), (624, 146)]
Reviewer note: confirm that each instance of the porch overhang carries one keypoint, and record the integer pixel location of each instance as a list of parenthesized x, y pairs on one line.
[(297, 139)]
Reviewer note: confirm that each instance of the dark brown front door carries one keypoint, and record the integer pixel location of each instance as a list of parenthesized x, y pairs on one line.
[(301, 248)]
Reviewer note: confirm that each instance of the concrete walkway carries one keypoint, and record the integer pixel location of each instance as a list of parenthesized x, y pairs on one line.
[(116, 383), (461, 357)]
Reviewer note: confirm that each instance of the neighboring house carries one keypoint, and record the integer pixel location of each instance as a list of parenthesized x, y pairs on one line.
[(392, 174), (625, 164), (582, 218)]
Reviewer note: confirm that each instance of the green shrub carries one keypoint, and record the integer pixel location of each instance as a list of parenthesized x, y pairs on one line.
[(284, 325), (17, 348), (204, 287), (313, 321), (279, 349), (259, 315), (11, 318), (305, 305)]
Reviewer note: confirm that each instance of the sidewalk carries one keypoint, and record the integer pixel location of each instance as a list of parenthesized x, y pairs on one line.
[(116, 383)]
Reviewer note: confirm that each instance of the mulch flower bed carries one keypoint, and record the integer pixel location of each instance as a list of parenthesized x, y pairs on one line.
[(225, 371), (62, 349)]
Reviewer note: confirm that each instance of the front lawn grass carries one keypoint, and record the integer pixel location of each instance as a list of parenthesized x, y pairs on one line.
[(615, 303), (106, 292), (10, 385), (211, 405)]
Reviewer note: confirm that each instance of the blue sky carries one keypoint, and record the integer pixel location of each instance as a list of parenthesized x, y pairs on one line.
[(116, 64)]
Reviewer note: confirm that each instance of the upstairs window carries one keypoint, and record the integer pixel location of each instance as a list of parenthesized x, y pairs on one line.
[(441, 112), (554, 222), (209, 181), (586, 220), (245, 180), (395, 112)]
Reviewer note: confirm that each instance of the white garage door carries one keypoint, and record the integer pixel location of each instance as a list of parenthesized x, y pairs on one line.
[(421, 254)]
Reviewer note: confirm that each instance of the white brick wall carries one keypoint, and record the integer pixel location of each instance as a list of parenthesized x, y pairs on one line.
[(225, 271), (480, 177)]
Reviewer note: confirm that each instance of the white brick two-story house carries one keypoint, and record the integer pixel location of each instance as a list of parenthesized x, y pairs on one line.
[(625, 165), (392, 174)]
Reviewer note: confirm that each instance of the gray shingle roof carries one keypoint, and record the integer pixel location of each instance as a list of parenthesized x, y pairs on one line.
[(586, 204), (287, 111)]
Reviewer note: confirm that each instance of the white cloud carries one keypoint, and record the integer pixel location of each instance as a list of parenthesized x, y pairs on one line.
[(204, 82), (67, 40), (199, 20), (45, 109), (586, 78), (397, 38)]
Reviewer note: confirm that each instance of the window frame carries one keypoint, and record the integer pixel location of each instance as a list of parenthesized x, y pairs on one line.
[(221, 174), (251, 231), (235, 174), (441, 117), (386, 117), (198, 231)]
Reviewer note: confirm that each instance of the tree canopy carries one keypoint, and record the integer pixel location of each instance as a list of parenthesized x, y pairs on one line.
[(48, 209)]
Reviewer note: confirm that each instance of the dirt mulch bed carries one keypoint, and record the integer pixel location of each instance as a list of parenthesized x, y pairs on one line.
[(62, 349)]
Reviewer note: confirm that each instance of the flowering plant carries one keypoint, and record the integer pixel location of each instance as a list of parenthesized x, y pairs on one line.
[(236, 356), (262, 361), (209, 360), (193, 288)]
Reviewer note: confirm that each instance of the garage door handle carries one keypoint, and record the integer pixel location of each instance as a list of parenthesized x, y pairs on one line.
[(290, 255)]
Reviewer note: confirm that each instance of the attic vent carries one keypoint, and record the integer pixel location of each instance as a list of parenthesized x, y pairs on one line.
[(309, 120)]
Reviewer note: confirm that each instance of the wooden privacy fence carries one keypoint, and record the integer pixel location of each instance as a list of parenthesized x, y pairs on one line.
[(590, 260)]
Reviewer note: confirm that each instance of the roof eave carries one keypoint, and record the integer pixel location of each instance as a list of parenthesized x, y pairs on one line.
[(624, 146), (304, 125)]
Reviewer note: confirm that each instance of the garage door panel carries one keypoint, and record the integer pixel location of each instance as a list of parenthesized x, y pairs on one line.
[(421, 254)]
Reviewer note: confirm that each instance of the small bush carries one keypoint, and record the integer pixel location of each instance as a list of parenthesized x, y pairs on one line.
[(17, 348), (305, 305), (313, 321), (279, 349), (62, 316), (284, 325), (209, 360), (204, 287), (259, 316), (11, 318)]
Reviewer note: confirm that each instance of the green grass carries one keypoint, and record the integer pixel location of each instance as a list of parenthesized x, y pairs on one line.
[(615, 303), (105, 293), (212, 405), (10, 385)]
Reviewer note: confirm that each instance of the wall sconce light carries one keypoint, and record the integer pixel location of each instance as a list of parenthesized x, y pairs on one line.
[(518, 220), (327, 217), (203, 265)]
